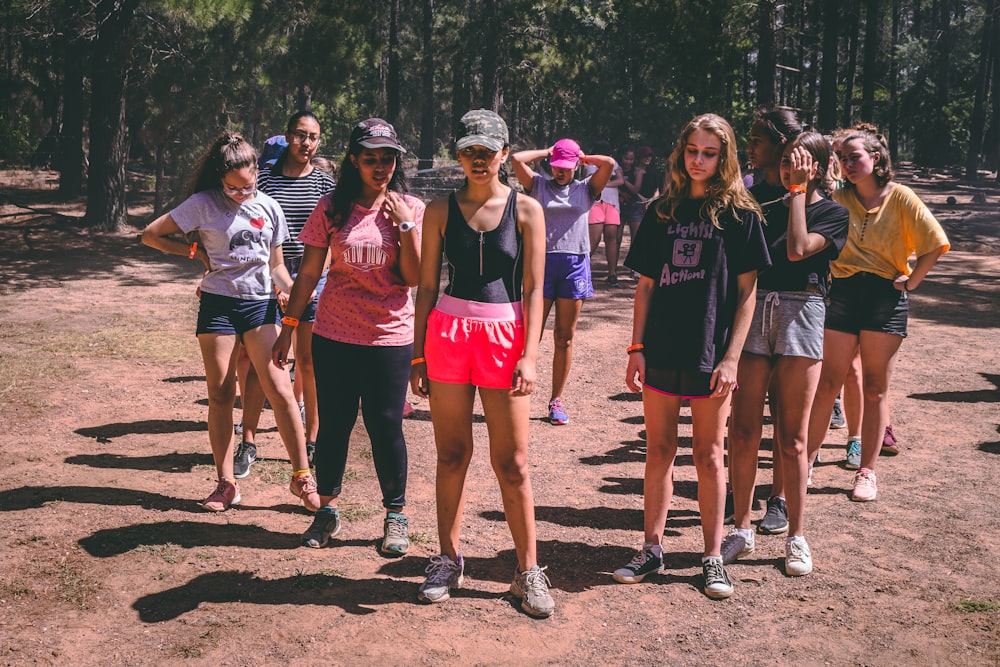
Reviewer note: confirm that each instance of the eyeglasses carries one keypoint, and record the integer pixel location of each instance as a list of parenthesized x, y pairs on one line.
[(232, 192), (303, 138)]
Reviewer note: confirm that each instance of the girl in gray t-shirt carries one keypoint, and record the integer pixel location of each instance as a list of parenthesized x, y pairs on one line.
[(240, 232)]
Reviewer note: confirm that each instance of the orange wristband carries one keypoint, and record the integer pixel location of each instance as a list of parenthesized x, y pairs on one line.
[(797, 189), (290, 321), (192, 250), (638, 347), (418, 360)]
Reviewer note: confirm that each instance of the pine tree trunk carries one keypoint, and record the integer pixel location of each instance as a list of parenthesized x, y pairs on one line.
[(827, 115), (427, 139)]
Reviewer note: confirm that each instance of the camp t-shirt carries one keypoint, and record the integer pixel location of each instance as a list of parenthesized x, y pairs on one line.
[(566, 210), (238, 239), (695, 266), (823, 217), (297, 197), (365, 301)]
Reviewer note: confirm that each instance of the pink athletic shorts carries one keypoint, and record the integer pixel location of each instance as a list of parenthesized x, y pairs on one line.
[(475, 343), (603, 213)]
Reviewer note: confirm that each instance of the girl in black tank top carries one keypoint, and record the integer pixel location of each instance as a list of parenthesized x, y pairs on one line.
[(484, 266)]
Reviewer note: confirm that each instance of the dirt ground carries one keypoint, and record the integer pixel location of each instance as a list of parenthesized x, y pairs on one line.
[(107, 560)]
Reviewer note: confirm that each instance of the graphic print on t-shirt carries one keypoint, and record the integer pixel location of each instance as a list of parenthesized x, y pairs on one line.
[(241, 246), (365, 256), (686, 253)]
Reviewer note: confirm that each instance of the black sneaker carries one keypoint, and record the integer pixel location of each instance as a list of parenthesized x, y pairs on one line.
[(246, 453), (311, 454), (644, 562), (326, 524), (776, 518), (837, 419), (717, 584), (730, 515)]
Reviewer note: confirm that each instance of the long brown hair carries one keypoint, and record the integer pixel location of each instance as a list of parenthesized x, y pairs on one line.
[(229, 151), (725, 192)]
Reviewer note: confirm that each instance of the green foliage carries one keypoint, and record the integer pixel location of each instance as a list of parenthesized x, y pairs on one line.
[(15, 140)]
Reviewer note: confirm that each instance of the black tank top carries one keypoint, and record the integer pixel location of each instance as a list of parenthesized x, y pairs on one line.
[(484, 266)]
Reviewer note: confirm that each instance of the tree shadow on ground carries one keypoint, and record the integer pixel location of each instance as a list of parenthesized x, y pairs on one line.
[(184, 534), (175, 462), (105, 432), (975, 396), (990, 447), (32, 497), (601, 518), (320, 590)]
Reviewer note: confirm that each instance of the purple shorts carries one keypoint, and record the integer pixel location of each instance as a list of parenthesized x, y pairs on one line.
[(567, 276), (475, 343)]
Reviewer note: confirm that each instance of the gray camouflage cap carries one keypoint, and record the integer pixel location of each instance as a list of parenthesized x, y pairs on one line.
[(481, 127)]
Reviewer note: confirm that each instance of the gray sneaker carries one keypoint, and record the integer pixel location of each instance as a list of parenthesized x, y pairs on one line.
[(442, 575), (326, 524), (735, 545), (776, 518), (533, 589), (837, 419), (396, 541), (853, 455), (717, 584), (246, 453)]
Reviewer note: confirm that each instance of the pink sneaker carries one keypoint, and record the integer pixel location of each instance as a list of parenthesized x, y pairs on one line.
[(865, 486), (889, 445), (407, 409), (226, 495), (304, 487)]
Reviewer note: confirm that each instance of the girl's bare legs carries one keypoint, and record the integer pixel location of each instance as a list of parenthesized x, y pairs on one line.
[(795, 383), (662, 414), (217, 353), (708, 417), (594, 231), (838, 351), (878, 357), (611, 247), (745, 430), (507, 424), (853, 393), (451, 410), (564, 329), (305, 378), (278, 388)]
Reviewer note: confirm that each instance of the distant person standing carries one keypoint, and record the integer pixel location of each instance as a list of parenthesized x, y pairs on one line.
[(567, 203), (605, 216)]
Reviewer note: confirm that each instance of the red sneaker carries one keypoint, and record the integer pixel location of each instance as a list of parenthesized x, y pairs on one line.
[(889, 445), (304, 487), (226, 495)]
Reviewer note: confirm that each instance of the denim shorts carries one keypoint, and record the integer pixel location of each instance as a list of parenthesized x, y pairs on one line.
[(567, 276), (787, 324), (475, 343), (867, 302), (309, 314), (229, 315)]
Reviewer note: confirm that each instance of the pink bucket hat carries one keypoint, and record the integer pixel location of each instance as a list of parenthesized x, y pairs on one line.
[(565, 154)]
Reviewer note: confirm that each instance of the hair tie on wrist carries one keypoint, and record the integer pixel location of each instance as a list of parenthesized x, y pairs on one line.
[(418, 360)]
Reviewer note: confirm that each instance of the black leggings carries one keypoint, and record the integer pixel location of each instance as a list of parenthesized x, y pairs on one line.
[(378, 377)]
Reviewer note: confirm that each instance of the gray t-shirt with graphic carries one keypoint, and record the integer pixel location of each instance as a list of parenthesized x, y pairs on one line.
[(238, 239), (566, 210)]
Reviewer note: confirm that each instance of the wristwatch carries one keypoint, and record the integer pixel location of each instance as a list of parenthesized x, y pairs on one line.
[(406, 226)]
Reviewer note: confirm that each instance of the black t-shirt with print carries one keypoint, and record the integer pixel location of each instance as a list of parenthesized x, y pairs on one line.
[(695, 266), (824, 217)]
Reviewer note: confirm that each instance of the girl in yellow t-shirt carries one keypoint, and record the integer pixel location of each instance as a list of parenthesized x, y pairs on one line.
[(869, 299)]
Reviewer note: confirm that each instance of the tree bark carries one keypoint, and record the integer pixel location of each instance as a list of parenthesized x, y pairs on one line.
[(852, 64), (978, 120), (765, 53), (427, 138), (827, 115), (72, 161), (106, 209), (392, 84), (869, 72)]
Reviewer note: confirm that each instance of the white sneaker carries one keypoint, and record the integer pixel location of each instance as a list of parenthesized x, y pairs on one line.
[(798, 559), (736, 545)]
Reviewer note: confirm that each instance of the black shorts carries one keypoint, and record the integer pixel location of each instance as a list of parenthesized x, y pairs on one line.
[(866, 302), (686, 384)]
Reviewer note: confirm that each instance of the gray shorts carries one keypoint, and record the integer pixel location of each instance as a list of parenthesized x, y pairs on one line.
[(787, 324)]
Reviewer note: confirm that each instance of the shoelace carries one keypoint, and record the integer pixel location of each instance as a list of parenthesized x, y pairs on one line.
[(864, 478), (797, 551), (537, 581), (556, 404), (306, 484), (639, 559), (714, 571), (396, 528), (242, 448), (440, 569)]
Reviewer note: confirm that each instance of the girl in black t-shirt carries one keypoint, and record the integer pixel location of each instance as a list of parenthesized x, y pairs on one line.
[(783, 353), (697, 251)]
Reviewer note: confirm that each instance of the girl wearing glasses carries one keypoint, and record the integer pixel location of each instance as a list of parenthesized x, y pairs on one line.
[(363, 335), (240, 232), (297, 186)]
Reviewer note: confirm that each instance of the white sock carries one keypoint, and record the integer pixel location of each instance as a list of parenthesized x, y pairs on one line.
[(800, 539), (746, 533), (655, 549)]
